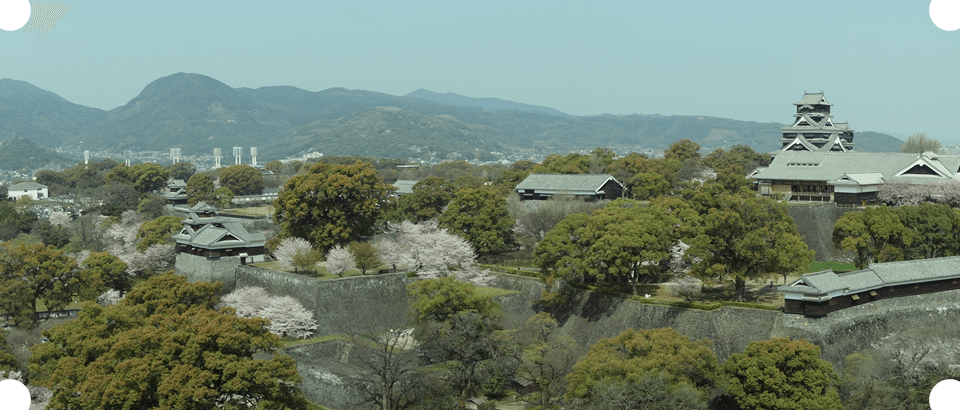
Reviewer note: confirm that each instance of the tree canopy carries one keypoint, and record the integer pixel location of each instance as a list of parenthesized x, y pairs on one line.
[(242, 180), (919, 143), (199, 189), (37, 272), (782, 374), (331, 204), (163, 346), (635, 355), (746, 237), (427, 200), (481, 217)]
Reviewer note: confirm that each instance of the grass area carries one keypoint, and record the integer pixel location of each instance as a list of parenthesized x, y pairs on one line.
[(494, 292), (251, 211), (838, 267)]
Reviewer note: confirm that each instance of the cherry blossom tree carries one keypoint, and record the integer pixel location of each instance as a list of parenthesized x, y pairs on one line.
[(248, 301), (391, 252), (109, 298), (60, 218), (288, 318), (687, 287), (289, 248), (339, 260)]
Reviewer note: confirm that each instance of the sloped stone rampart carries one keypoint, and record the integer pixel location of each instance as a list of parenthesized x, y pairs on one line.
[(815, 224)]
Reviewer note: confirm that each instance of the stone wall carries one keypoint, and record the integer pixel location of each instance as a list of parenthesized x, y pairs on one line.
[(200, 269), (815, 223), (351, 305)]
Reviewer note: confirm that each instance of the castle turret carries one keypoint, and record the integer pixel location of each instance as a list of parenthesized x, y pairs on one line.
[(813, 128)]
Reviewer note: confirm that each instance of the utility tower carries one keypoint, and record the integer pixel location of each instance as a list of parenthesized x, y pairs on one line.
[(237, 153), (175, 155), (86, 157), (217, 153), (127, 155), (253, 154)]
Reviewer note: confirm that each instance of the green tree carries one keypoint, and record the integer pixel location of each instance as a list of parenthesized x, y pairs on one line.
[(144, 177), (163, 346), (29, 273), (331, 205), (747, 237), (545, 357), (683, 150), (480, 217), (560, 254), (273, 166), (875, 234), (182, 170), (365, 256), (933, 227), (50, 234), (157, 231), (222, 197), (242, 180), (109, 269), (427, 200), (557, 164), (151, 206), (118, 198), (782, 374), (199, 189), (439, 299), (635, 355), (8, 362), (14, 222)]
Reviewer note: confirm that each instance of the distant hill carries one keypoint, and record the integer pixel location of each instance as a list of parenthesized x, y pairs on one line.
[(198, 113), (490, 104), (389, 132), (19, 153), (42, 116)]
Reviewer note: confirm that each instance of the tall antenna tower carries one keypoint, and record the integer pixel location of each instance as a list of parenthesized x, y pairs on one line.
[(86, 157), (217, 153), (253, 153), (175, 155), (127, 155), (237, 154)]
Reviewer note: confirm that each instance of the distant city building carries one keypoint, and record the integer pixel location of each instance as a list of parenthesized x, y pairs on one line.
[(30, 189), (813, 128), (584, 186)]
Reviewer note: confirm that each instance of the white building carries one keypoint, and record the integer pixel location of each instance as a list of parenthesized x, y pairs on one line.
[(31, 189)]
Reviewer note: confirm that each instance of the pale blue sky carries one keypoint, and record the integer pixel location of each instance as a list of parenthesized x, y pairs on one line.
[(883, 64)]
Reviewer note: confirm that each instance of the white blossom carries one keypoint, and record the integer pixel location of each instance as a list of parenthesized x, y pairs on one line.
[(109, 298), (339, 260), (687, 287), (60, 218), (288, 248), (288, 318)]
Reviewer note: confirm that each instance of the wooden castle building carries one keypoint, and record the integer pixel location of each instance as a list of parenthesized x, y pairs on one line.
[(817, 294), (816, 162), (207, 234)]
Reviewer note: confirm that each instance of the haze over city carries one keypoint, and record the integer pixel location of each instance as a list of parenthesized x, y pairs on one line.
[(884, 65)]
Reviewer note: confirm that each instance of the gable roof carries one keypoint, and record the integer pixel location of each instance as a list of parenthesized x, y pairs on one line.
[(573, 183), (25, 186), (826, 284), (404, 186), (812, 99), (830, 166)]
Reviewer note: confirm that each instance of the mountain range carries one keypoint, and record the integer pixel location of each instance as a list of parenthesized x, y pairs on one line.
[(197, 113)]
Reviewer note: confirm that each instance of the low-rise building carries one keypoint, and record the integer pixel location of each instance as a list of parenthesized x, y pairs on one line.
[(586, 186), (29, 189), (819, 293)]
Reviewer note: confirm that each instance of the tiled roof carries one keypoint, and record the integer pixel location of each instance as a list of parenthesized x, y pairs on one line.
[(23, 186), (404, 186), (833, 165), (875, 276), (565, 182), (811, 99)]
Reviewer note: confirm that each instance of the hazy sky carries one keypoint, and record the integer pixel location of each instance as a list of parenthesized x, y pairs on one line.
[(883, 64)]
